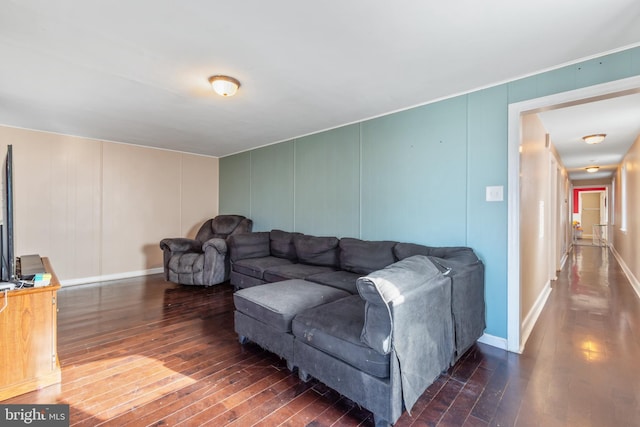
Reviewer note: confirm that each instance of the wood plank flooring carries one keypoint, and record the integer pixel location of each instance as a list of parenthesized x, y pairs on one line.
[(144, 352)]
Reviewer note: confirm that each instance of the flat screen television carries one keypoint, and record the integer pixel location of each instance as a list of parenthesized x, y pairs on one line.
[(8, 267)]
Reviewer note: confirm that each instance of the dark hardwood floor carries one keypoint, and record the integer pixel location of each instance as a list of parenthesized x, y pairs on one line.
[(144, 352)]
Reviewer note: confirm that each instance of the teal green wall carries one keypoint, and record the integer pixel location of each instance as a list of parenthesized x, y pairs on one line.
[(415, 176), (327, 201), (402, 155), (235, 184), (272, 186)]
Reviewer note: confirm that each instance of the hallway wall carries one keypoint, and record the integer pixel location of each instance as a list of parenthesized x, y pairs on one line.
[(534, 199), (565, 232), (626, 240)]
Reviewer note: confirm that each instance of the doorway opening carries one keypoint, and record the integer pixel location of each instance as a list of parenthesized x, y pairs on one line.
[(519, 321), (590, 216)]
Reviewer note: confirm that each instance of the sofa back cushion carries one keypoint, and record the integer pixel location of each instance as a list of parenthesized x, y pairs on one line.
[(405, 250), (282, 244), (460, 253), (248, 245), (385, 287), (317, 250), (363, 256)]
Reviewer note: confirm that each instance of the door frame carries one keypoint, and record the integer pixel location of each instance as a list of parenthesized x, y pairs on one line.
[(516, 110)]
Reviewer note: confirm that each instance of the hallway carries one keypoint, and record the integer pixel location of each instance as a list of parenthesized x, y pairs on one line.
[(584, 351), (581, 364)]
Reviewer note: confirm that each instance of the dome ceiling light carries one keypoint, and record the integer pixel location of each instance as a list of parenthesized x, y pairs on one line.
[(224, 85), (592, 169), (595, 138)]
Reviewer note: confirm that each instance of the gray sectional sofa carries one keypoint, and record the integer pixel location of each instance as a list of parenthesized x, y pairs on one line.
[(377, 321)]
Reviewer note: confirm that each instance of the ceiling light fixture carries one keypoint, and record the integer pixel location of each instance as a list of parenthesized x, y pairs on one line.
[(595, 138), (592, 169), (224, 85)]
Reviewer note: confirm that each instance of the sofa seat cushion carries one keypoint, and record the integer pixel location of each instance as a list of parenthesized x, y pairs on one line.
[(293, 271), (345, 280), (335, 329), (255, 267), (276, 304)]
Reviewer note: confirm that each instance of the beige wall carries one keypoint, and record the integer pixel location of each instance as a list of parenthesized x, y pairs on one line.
[(565, 229), (627, 243), (534, 200), (98, 209)]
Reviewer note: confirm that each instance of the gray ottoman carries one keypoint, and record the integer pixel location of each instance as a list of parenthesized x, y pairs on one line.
[(264, 313)]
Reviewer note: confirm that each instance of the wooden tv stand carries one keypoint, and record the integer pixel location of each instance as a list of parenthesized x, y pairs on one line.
[(28, 338)]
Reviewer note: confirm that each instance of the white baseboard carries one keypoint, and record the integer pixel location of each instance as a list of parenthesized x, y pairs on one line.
[(493, 341), (635, 284), (107, 277), (563, 260), (532, 317)]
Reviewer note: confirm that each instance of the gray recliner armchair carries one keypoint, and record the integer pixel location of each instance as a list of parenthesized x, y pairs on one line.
[(203, 260)]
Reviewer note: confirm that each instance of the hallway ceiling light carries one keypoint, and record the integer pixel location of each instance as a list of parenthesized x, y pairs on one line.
[(592, 169), (595, 138), (224, 85)]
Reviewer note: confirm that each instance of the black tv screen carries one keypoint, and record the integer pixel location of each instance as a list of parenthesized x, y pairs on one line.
[(8, 256)]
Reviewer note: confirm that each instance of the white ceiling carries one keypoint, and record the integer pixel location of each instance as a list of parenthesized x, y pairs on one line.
[(618, 118), (136, 71)]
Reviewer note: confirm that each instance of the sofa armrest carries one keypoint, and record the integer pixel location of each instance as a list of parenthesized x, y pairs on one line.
[(180, 244), (217, 244), (216, 266), (467, 300), (387, 288), (408, 312)]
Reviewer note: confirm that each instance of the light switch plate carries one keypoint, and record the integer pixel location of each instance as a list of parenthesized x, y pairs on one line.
[(495, 193)]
